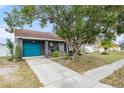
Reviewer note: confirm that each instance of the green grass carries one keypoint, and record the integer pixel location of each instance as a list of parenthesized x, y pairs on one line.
[(89, 61), (21, 77), (111, 57)]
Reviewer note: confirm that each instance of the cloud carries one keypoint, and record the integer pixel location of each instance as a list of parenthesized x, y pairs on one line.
[(4, 35)]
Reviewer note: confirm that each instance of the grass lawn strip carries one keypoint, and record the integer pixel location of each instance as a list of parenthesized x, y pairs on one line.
[(19, 75), (89, 61), (116, 79)]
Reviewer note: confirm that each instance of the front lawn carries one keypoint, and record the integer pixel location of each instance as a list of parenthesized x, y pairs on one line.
[(116, 79), (17, 75), (89, 61), (111, 57)]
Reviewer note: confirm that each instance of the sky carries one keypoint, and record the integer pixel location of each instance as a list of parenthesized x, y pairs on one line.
[(4, 35), (35, 27)]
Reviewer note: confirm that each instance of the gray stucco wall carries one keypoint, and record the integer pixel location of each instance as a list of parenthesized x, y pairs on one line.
[(46, 48), (19, 41)]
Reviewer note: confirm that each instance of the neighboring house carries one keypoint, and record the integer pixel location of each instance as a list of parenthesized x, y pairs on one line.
[(95, 48), (34, 43), (115, 47), (89, 48)]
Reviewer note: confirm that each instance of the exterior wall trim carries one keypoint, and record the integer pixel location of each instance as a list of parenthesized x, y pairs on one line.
[(37, 38)]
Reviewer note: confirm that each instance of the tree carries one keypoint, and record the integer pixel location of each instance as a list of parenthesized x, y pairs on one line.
[(76, 24), (106, 43), (110, 23), (15, 19), (110, 19), (10, 46)]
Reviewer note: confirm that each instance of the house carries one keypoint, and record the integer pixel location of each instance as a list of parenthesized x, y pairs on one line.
[(89, 48), (92, 48), (115, 47), (34, 43)]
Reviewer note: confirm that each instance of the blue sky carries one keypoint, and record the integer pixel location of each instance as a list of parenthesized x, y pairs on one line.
[(35, 26), (2, 10), (4, 35)]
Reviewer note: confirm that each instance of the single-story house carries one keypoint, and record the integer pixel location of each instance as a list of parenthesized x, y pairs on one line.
[(34, 43)]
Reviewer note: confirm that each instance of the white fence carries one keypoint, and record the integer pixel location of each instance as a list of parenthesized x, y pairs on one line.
[(3, 51), (95, 48)]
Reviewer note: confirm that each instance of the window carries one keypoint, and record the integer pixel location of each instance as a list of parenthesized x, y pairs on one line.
[(54, 46)]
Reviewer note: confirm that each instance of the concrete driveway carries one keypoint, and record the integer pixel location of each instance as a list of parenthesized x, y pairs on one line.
[(54, 75)]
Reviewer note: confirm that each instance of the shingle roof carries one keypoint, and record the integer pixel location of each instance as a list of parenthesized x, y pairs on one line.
[(36, 34)]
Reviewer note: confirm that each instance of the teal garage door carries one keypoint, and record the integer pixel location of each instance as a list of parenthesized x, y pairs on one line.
[(31, 48)]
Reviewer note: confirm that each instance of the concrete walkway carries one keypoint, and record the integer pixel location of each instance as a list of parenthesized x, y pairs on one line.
[(102, 72), (54, 75)]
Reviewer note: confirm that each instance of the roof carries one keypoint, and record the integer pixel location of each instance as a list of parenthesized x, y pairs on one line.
[(29, 34)]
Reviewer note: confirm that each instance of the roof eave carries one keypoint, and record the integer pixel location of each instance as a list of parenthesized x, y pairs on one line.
[(34, 38)]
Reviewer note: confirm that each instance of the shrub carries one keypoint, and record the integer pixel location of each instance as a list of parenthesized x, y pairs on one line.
[(10, 59), (10, 46), (104, 53), (17, 55), (55, 54), (66, 55)]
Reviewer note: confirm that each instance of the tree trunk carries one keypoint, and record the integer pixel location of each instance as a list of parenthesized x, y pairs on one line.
[(75, 51), (83, 48), (74, 48), (12, 53), (105, 50)]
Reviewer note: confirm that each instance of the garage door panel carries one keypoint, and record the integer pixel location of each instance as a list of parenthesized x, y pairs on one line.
[(31, 49)]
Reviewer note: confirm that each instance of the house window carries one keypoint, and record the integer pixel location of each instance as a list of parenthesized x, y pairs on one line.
[(53, 46)]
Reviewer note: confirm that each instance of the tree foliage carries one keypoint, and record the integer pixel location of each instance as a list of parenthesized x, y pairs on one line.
[(76, 24), (106, 43), (10, 46)]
